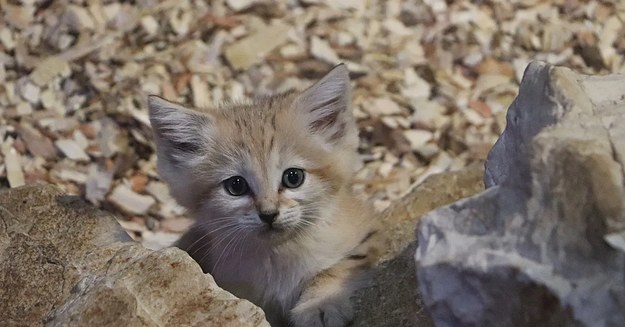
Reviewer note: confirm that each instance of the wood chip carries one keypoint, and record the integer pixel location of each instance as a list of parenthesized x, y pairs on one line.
[(6, 38), (158, 240), (431, 79), (149, 24), (133, 225), (138, 182), (252, 49), (382, 107), (13, 166), (71, 149), (417, 138), (48, 69), (321, 49), (78, 18), (176, 225), (37, 144), (30, 92), (98, 183), (238, 5), (129, 201), (72, 176), (201, 94)]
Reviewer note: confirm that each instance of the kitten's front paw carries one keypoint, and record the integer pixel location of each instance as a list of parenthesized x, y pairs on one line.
[(322, 313)]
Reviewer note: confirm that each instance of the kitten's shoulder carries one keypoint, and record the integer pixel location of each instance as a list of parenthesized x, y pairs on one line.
[(364, 222)]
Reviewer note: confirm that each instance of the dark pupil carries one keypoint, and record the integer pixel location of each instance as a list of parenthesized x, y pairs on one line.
[(293, 177), (236, 185)]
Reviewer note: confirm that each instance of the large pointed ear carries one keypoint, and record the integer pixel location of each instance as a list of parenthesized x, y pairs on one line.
[(326, 107), (180, 133)]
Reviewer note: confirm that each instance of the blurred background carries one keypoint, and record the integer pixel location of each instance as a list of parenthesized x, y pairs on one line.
[(431, 82)]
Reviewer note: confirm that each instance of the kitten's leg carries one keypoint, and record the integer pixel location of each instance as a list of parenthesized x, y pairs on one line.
[(325, 301)]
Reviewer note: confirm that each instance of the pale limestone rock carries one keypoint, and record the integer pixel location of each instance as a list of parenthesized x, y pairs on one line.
[(71, 265)]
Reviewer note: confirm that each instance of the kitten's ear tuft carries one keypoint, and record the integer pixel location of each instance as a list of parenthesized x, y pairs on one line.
[(179, 132), (326, 105)]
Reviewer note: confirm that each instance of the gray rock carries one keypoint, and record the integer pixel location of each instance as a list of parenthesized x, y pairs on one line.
[(63, 263), (543, 246)]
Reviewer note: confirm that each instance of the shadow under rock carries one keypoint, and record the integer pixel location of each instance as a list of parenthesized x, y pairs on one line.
[(393, 298)]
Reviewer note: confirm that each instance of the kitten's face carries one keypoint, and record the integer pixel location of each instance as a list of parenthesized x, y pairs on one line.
[(267, 168), (263, 174)]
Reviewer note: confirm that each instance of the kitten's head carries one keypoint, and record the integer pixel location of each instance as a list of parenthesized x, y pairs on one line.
[(268, 167)]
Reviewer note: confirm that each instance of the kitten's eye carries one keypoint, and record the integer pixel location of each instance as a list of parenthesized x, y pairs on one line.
[(293, 177), (236, 185)]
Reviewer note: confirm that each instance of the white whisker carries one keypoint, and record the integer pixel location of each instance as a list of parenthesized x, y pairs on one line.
[(225, 249)]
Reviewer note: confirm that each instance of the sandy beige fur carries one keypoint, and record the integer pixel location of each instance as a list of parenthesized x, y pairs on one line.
[(303, 268)]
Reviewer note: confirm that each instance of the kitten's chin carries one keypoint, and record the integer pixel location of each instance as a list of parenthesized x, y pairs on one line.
[(277, 235)]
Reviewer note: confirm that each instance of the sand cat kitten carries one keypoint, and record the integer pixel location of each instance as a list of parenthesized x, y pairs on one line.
[(269, 184)]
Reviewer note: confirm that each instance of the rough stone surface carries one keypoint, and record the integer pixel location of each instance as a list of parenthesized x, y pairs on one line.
[(63, 263), (543, 245), (391, 300)]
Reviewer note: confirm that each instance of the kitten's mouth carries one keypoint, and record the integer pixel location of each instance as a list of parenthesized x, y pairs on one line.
[(273, 229), (276, 233)]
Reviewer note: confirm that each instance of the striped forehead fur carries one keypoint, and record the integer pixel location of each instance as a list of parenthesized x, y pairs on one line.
[(268, 125), (315, 127)]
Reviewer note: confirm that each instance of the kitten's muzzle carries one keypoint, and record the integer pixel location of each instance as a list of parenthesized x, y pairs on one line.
[(268, 217)]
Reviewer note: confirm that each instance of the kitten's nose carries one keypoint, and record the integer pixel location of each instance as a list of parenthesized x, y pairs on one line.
[(268, 217)]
